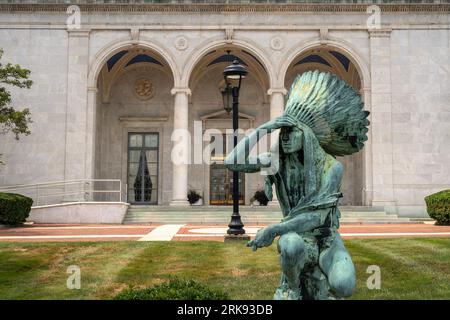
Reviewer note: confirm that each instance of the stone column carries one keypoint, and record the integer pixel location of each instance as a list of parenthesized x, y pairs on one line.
[(367, 156), (76, 107), (276, 110), (381, 116), (180, 170)]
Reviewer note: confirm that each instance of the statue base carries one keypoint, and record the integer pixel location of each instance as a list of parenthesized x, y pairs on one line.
[(236, 237)]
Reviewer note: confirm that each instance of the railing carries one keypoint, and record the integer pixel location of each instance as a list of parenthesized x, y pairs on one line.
[(85, 190)]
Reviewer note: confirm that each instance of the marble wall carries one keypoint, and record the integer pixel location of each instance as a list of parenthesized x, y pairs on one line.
[(404, 69)]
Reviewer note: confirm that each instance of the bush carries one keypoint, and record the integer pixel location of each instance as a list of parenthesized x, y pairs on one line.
[(175, 289), (261, 197), (14, 208), (438, 207), (193, 196)]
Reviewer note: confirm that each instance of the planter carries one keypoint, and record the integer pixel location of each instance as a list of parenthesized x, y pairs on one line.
[(255, 203), (198, 203)]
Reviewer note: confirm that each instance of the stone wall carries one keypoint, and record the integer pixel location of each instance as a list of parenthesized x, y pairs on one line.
[(404, 68)]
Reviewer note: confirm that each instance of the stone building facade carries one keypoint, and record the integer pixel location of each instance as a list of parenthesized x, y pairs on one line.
[(116, 85)]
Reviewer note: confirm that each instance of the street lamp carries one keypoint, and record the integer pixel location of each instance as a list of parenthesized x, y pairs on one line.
[(233, 75)]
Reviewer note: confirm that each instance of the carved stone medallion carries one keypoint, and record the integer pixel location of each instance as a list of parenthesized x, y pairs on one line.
[(181, 43), (144, 89), (277, 43)]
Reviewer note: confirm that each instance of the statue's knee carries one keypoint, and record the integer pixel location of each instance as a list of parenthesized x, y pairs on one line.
[(291, 245), (342, 277)]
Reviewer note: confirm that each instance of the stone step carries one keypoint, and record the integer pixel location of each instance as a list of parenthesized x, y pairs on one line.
[(259, 215), (264, 223), (156, 208), (228, 213), (256, 221)]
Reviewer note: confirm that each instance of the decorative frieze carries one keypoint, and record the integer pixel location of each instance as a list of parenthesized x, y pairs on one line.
[(220, 8)]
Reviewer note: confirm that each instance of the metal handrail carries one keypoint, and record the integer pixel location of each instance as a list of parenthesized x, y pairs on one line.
[(84, 190)]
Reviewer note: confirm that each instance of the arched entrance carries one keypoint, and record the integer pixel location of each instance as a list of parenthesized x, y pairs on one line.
[(134, 119), (206, 105), (333, 60)]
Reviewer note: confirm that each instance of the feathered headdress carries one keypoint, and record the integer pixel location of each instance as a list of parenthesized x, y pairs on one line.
[(332, 109)]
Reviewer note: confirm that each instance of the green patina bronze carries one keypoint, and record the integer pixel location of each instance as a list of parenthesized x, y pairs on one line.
[(323, 118)]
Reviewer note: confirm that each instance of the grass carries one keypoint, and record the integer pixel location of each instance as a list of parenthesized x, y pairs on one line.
[(411, 268)]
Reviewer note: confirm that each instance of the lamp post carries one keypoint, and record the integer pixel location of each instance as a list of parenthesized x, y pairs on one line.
[(233, 75)]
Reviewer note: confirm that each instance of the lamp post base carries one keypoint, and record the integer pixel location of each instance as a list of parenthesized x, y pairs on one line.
[(236, 237)]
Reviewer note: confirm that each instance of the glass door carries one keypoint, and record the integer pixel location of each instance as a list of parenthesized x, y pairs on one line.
[(221, 185), (143, 164), (221, 179)]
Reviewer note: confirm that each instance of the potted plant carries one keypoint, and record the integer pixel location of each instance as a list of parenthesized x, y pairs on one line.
[(194, 198), (259, 198)]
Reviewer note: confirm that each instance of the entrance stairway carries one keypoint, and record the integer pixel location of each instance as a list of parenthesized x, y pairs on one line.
[(250, 215)]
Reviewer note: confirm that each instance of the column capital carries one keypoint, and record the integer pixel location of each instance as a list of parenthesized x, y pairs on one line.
[(186, 91), (92, 89), (380, 33), (271, 91), (78, 33)]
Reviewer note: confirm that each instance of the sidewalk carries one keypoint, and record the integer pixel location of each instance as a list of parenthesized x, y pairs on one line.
[(180, 232)]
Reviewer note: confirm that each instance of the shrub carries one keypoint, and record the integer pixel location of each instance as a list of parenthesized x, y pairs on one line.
[(438, 207), (261, 197), (14, 208), (175, 289), (193, 196)]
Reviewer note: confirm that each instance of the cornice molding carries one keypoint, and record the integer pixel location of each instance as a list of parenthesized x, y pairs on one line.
[(220, 8), (380, 33)]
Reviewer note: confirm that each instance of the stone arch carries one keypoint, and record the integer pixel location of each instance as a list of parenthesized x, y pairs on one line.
[(102, 138), (114, 47), (340, 45), (204, 48), (358, 178)]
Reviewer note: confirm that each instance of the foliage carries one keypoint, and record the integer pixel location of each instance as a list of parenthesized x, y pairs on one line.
[(261, 197), (193, 196), (438, 207), (12, 120), (174, 289), (14, 208)]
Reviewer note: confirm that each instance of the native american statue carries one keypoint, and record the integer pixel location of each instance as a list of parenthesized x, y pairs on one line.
[(323, 118)]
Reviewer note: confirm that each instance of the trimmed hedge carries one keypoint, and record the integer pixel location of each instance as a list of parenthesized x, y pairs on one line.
[(14, 208), (438, 207), (175, 289)]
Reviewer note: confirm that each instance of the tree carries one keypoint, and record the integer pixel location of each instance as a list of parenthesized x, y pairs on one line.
[(12, 120)]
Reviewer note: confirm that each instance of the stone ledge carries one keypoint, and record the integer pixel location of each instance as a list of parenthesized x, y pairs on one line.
[(220, 8)]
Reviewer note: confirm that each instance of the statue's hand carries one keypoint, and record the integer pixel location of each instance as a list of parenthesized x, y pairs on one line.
[(264, 238), (277, 123)]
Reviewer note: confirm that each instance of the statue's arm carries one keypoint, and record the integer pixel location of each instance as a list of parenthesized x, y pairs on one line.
[(307, 221), (239, 159)]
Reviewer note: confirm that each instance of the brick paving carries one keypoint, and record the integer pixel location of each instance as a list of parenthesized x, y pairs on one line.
[(42, 233)]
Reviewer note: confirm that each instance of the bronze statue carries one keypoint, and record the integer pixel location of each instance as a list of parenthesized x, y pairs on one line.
[(323, 118)]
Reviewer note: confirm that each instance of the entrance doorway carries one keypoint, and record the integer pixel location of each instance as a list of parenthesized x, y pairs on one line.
[(143, 149), (221, 185), (221, 179)]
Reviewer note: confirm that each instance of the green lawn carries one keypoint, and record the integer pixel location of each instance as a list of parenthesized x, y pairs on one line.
[(411, 268)]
